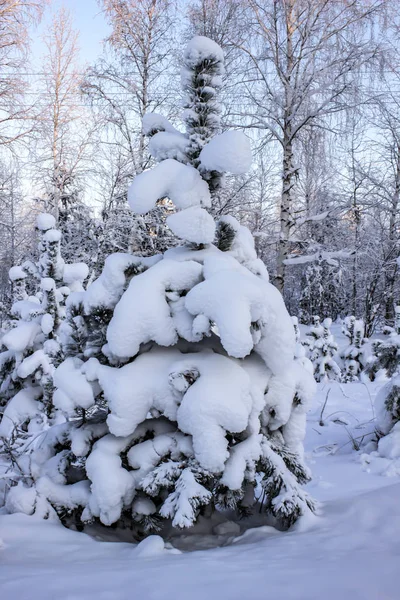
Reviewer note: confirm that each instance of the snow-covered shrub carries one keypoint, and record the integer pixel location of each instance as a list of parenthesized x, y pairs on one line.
[(353, 355), (182, 389), (322, 349), (386, 353)]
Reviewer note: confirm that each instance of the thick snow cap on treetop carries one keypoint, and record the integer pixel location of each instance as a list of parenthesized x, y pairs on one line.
[(201, 48), (45, 221)]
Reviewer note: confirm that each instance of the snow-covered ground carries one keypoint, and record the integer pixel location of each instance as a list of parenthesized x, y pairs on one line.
[(350, 551)]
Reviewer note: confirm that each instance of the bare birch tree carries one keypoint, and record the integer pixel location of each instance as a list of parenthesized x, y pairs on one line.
[(130, 79), (16, 16), (301, 58), (63, 141)]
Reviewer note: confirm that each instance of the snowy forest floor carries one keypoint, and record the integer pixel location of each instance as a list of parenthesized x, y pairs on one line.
[(350, 551)]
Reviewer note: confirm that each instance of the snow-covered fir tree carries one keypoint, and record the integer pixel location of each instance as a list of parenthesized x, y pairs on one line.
[(301, 352), (387, 408), (74, 219), (322, 287), (31, 348), (354, 354), (386, 353), (322, 349), (185, 391)]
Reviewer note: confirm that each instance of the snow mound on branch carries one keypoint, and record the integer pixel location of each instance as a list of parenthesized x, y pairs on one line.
[(164, 145), (24, 406), (107, 289), (112, 486), (182, 184), (52, 236), (153, 123), (31, 363), (389, 445), (16, 273), (217, 402), (21, 499), (45, 221), (143, 314), (193, 224), (27, 309), (248, 311), (243, 248), (74, 275), (229, 152), (73, 389), (22, 337), (384, 417), (130, 404)]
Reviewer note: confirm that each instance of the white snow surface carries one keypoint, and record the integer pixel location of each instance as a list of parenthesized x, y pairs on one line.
[(229, 152), (350, 551), (182, 184)]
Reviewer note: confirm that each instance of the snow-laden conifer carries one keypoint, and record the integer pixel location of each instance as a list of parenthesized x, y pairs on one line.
[(182, 389), (322, 349), (386, 352), (354, 354)]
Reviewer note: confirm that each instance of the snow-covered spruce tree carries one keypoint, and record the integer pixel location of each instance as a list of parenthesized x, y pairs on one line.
[(386, 353), (322, 288), (30, 348), (353, 355), (387, 408), (387, 402), (80, 234), (301, 352), (192, 392), (322, 350)]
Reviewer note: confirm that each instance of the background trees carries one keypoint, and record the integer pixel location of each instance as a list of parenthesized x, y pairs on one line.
[(313, 83)]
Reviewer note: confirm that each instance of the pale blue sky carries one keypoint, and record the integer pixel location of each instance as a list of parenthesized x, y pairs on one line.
[(88, 20)]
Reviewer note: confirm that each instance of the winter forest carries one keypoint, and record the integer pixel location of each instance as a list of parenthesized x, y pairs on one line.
[(200, 300)]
